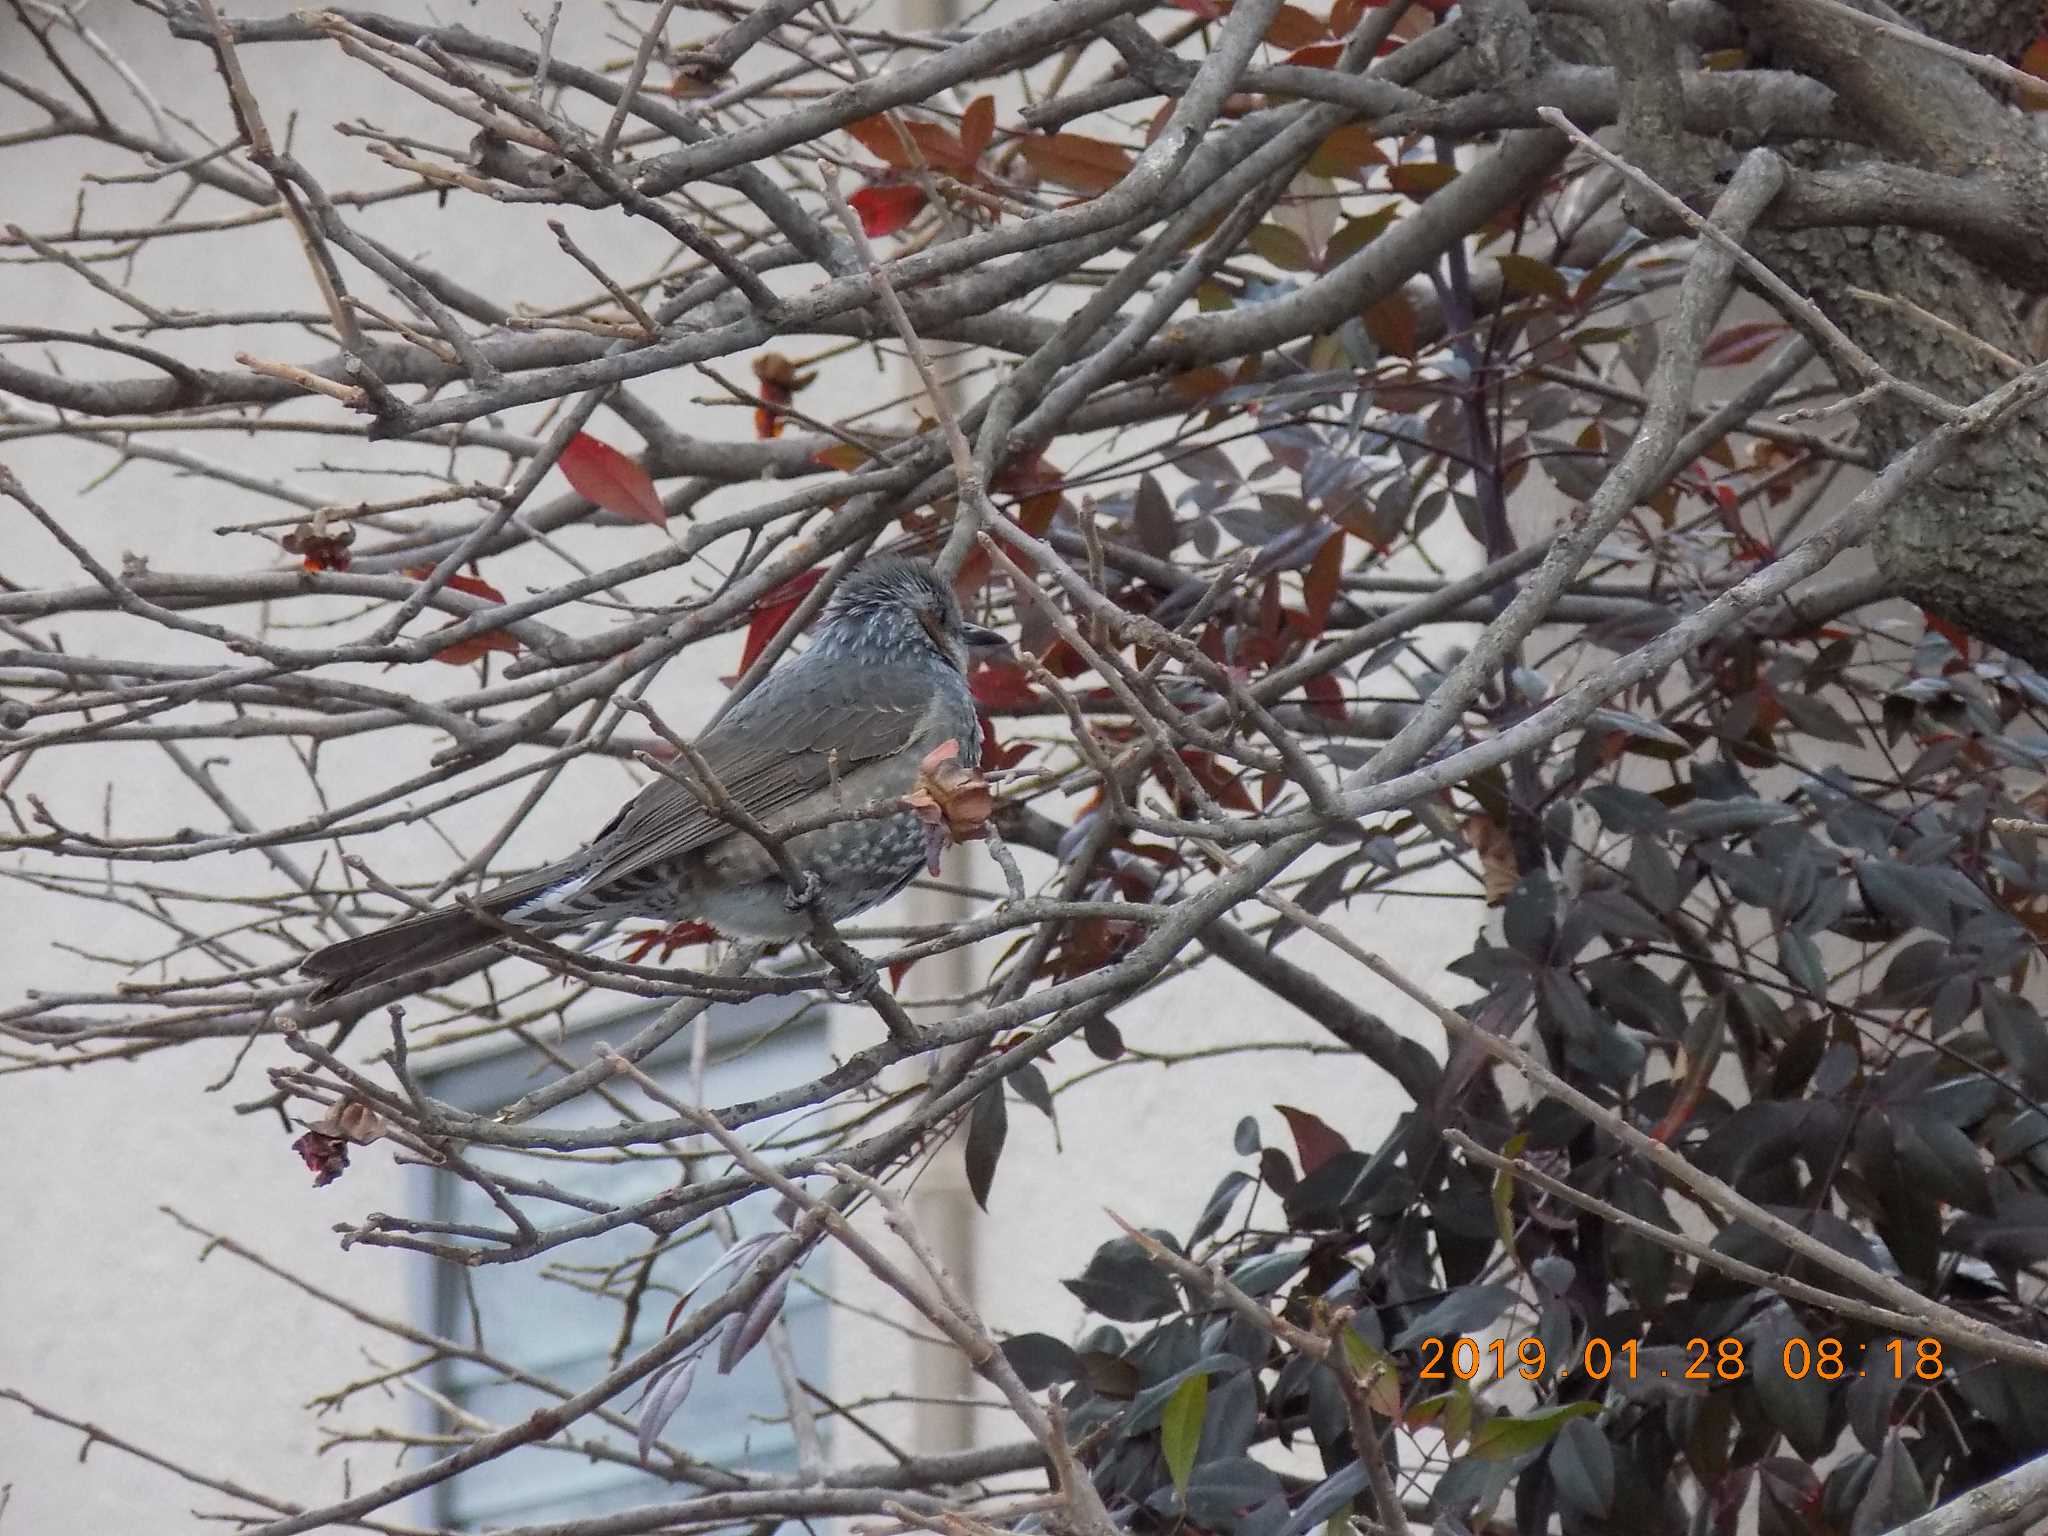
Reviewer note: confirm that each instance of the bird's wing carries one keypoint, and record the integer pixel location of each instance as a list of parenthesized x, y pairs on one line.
[(791, 737)]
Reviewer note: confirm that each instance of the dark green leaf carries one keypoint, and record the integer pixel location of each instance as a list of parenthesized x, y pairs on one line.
[(1232, 1185), (1796, 1404), (1582, 1466), (1040, 1360), (1463, 1311), (1894, 1495), (987, 1126), (1153, 519), (1031, 1088), (1721, 818), (1626, 810), (1103, 1039), (1121, 1282)]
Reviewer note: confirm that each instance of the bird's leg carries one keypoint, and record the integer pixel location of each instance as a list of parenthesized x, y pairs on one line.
[(854, 977), (800, 897)]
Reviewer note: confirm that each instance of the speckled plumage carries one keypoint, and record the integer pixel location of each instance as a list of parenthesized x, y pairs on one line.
[(843, 723)]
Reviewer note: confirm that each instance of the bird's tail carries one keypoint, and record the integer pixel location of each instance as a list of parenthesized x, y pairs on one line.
[(413, 943)]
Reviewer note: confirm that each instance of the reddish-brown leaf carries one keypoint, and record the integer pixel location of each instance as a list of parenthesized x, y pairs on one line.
[(1319, 585), (844, 456), (1316, 56), (1497, 870), (1208, 10), (1198, 384), (1530, 276), (879, 138), (941, 148), (773, 611), (952, 800), (475, 586), (1072, 160), (1346, 152), (1224, 787), (320, 550), (777, 381), (977, 127), (463, 652), (1743, 343), (1091, 944), (476, 647), (1314, 1142), (602, 474), (996, 755), (1419, 178), (1295, 28), (1325, 696), (324, 1147), (1392, 324), (1004, 685), (884, 210), (2035, 62)]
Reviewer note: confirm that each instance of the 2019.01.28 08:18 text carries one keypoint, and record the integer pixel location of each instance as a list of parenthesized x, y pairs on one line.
[(1724, 1359)]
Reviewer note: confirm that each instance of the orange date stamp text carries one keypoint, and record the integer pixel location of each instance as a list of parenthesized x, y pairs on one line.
[(1706, 1360)]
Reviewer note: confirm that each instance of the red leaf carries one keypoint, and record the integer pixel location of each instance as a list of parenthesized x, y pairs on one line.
[(463, 652), (884, 210), (1742, 343), (1325, 696), (1208, 10), (475, 586), (996, 756), (1314, 1142), (1002, 686), (1224, 787), (600, 473), (773, 611), (1953, 634)]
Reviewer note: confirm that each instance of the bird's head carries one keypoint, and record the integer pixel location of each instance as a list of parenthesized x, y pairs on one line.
[(894, 606)]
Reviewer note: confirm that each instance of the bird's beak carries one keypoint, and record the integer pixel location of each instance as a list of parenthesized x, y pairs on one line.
[(983, 642)]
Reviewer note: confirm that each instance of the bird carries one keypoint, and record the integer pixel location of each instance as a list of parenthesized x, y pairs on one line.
[(844, 722)]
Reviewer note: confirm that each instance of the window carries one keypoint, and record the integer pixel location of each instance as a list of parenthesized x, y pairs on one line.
[(548, 1316)]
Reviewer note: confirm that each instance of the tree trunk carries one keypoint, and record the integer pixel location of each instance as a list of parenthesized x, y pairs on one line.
[(1973, 548)]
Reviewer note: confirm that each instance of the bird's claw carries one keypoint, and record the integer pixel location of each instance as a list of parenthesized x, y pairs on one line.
[(855, 982), (801, 898)]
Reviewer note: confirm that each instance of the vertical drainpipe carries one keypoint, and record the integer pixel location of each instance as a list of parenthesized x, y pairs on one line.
[(941, 1378)]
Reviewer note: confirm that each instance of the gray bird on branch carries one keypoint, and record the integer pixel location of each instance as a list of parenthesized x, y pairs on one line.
[(845, 723)]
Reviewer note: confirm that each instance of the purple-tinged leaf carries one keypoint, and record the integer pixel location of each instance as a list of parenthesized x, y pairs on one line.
[(666, 1392), (753, 1325)]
